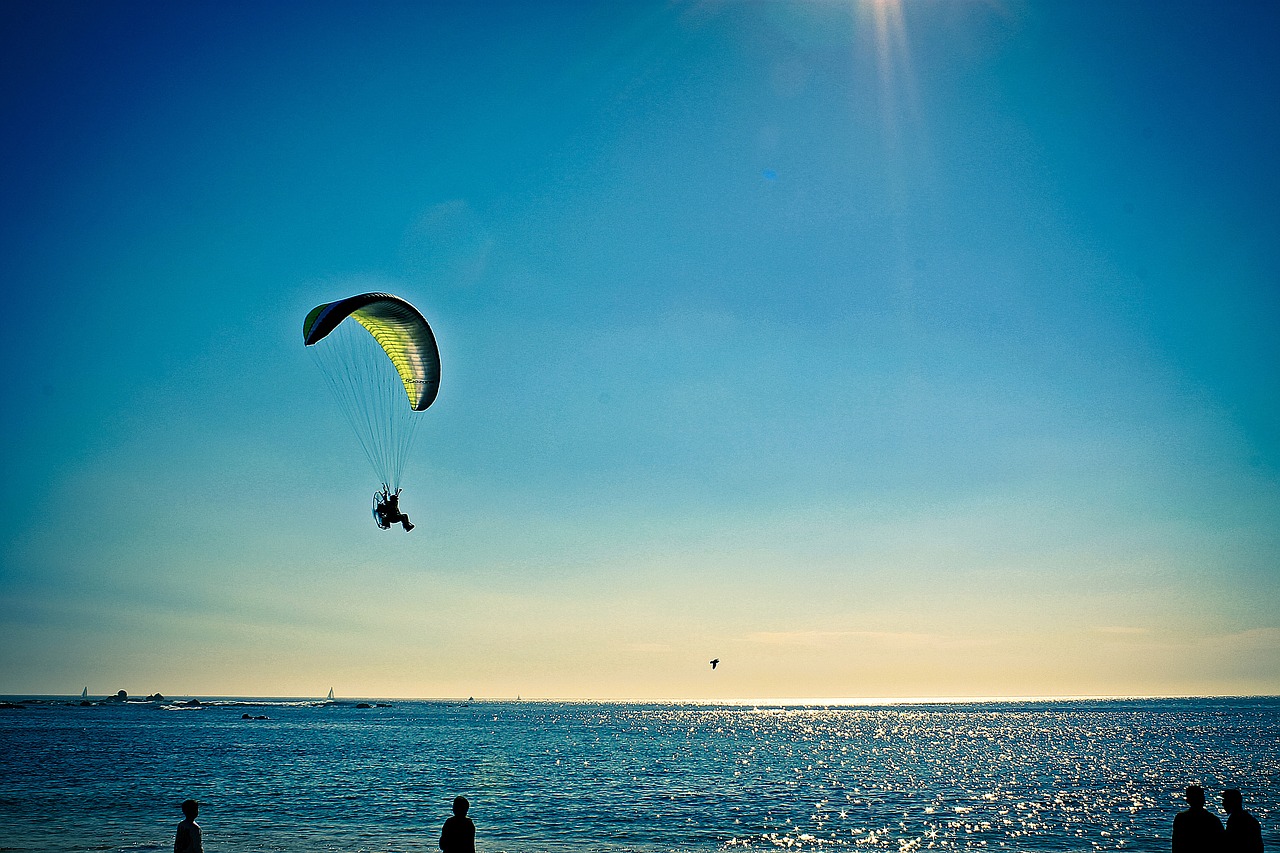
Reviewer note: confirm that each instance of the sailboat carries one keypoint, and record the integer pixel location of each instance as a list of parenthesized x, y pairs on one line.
[(330, 693), (84, 694)]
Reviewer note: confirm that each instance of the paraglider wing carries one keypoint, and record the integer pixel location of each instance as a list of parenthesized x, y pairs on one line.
[(399, 329), (386, 357)]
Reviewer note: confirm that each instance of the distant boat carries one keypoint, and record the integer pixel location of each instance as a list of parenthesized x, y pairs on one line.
[(330, 692), (84, 694)]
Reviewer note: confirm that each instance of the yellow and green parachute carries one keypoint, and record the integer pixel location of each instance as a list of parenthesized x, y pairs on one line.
[(382, 363)]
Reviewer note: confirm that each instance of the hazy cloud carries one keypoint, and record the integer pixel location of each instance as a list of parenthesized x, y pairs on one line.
[(817, 639), (449, 245), (647, 647)]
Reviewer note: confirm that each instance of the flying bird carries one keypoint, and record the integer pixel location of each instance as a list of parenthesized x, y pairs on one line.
[(714, 662)]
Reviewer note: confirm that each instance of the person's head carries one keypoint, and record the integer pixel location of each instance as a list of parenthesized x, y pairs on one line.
[(190, 808), (460, 806), (1232, 802), (1195, 795)]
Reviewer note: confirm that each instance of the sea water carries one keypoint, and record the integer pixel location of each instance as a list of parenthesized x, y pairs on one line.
[(332, 776)]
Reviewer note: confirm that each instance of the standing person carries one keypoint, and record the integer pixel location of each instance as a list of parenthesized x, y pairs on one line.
[(1244, 834), (459, 833), (189, 839), (1196, 830)]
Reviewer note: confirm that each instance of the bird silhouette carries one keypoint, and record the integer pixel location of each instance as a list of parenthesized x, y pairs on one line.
[(714, 662)]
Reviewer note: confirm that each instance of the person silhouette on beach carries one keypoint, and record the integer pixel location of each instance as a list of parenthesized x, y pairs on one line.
[(189, 838), (1244, 833), (1196, 830), (459, 833)]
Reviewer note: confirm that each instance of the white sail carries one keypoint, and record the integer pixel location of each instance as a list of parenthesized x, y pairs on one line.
[(84, 694), (330, 692)]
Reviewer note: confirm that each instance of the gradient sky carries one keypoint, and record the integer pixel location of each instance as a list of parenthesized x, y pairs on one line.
[(877, 351)]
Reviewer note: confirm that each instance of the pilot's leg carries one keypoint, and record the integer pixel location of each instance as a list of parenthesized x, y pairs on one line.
[(404, 522)]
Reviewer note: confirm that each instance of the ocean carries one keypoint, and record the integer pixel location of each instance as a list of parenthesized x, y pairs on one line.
[(551, 776)]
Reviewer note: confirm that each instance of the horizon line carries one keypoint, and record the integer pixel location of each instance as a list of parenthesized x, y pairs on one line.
[(786, 701)]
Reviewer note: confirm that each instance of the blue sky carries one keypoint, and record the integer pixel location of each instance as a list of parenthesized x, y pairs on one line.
[(878, 350)]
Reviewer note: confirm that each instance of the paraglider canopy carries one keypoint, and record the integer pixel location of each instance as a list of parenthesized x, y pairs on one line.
[(399, 329), (383, 370)]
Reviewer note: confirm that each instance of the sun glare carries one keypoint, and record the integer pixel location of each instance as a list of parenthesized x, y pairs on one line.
[(892, 61)]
